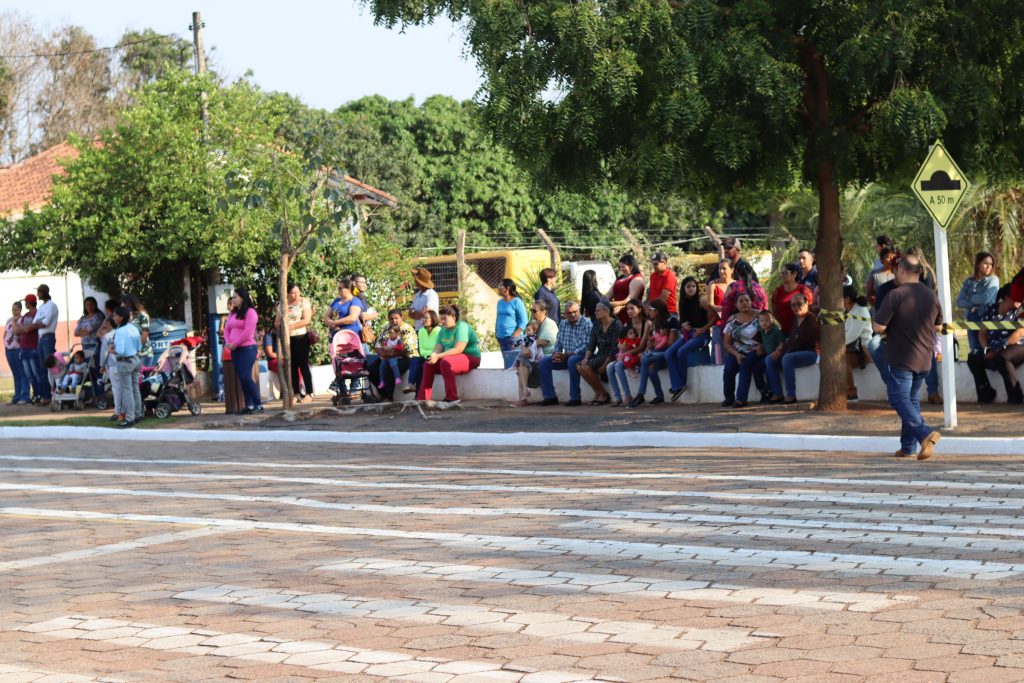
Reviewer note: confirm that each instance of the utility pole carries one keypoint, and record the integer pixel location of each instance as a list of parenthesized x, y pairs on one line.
[(200, 53), (197, 40)]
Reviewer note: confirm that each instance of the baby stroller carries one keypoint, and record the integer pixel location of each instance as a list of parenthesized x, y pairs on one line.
[(165, 388), (78, 396), (351, 378)]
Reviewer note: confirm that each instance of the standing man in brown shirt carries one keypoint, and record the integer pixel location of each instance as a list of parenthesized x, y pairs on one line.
[(909, 317)]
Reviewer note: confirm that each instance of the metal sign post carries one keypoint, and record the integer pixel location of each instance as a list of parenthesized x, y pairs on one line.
[(948, 365), (941, 185)]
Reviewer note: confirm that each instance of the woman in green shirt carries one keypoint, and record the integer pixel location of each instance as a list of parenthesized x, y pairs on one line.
[(457, 352), (527, 369), (427, 339)]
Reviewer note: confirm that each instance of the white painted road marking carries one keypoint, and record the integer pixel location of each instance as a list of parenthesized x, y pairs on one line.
[(969, 502), (311, 654), (623, 585), (109, 549), (571, 474), (553, 625), (620, 520), (11, 673), (701, 555)]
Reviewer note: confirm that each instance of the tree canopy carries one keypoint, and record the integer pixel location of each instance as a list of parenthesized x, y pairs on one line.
[(747, 93)]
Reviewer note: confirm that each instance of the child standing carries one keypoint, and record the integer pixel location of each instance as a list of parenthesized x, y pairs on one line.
[(76, 371), (392, 342), (769, 337), (54, 365)]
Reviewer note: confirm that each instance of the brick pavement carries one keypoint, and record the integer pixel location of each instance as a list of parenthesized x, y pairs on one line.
[(293, 563)]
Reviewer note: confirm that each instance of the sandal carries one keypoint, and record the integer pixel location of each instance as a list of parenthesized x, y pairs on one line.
[(617, 404), (521, 403), (605, 402)]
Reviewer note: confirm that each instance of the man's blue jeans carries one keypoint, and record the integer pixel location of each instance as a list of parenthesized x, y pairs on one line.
[(876, 347), (33, 372), (47, 347), (21, 381), (676, 355), (509, 352), (905, 397), (547, 384), (650, 363), (788, 364)]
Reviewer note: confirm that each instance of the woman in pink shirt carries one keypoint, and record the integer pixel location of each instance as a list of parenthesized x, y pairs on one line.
[(240, 340)]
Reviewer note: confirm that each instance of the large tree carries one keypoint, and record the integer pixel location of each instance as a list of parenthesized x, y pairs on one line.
[(754, 93)]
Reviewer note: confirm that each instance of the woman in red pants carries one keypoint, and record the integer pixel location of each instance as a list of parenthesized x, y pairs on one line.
[(457, 352)]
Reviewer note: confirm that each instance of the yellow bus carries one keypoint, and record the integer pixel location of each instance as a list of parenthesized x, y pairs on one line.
[(519, 265)]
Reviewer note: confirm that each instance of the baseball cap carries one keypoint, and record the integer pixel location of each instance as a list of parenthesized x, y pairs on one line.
[(730, 242), (30, 298), (658, 257)]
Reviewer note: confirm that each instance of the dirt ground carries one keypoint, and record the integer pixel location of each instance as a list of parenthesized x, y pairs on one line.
[(865, 418)]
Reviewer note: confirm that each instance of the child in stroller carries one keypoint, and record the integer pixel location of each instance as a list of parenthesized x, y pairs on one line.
[(69, 378), (351, 377), (165, 387)]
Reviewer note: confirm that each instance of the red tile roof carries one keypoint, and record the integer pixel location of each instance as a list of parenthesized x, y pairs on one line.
[(28, 182)]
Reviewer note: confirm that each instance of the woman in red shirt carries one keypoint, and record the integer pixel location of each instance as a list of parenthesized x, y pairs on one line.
[(629, 285), (784, 293)]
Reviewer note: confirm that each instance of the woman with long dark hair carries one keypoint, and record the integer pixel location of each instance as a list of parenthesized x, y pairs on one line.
[(695, 325), (628, 285), (240, 340), (510, 321), (744, 283), (298, 314), (590, 296), (978, 293)]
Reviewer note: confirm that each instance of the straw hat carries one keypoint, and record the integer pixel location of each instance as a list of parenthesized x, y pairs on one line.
[(423, 278)]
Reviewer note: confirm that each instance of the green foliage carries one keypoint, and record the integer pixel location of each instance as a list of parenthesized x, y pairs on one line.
[(991, 219), (135, 208), (148, 56)]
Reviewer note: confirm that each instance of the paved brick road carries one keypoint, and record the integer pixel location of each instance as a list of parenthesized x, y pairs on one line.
[(285, 563)]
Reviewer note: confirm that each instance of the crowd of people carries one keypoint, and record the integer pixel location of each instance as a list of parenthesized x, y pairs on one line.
[(618, 341)]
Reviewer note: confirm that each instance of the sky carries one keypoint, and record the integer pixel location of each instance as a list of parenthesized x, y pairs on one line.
[(327, 53)]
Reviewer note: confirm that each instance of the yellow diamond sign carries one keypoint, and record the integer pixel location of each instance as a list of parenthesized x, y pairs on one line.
[(940, 185)]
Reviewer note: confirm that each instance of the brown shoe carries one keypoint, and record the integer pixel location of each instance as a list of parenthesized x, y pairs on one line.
[(928, 446), (901, 454), (935, 399)]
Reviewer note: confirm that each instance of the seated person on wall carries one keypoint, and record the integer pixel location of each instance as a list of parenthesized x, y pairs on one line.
[(426, 339), (457, 352), (664, 332), (526, 366), (601, 349), (799, 350), (1001, 350), (385, 352), (739, 341), (570, 347), (858, 335), (695, 323)]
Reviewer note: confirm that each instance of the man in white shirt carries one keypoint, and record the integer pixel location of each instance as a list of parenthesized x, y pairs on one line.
[(425, 299), (46, 322)]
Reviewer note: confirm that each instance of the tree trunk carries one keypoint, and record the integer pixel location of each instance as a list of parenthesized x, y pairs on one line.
[(284, 363), (829, 249), (829, 253)]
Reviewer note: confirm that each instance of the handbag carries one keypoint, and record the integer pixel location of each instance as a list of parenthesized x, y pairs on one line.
[(313, 336), (367, 335)]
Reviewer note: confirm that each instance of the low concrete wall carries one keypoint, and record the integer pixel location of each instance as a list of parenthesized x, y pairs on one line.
[(491, 382)]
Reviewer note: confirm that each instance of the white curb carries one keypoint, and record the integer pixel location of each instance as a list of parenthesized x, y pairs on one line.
[(950, 445)]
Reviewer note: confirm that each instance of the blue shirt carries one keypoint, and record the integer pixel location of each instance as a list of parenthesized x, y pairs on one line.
[(511, 315), (573, 338), (554, 305), (342, 309), (127, 340)]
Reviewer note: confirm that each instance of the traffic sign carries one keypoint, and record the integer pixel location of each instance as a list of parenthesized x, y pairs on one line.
[(940, 185)]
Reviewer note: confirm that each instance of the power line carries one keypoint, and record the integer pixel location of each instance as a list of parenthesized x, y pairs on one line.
[(85, 52)]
